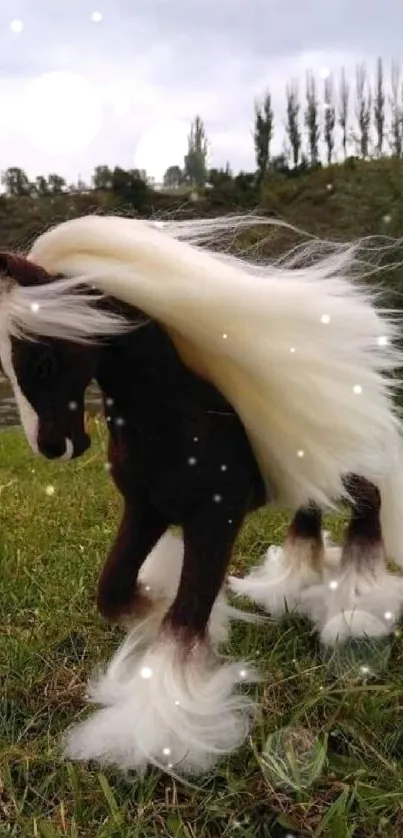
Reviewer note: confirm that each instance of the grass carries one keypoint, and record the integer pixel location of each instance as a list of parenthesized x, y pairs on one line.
[(325, 758)]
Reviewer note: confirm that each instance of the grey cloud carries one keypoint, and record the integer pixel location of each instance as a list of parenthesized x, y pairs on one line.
[(207, 56)]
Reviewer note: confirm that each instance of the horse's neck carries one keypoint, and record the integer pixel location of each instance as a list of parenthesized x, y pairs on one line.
[(140, 365), (142, 371)]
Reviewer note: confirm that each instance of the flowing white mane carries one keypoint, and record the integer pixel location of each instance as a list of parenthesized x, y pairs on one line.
[(55, 310), (302, 353)]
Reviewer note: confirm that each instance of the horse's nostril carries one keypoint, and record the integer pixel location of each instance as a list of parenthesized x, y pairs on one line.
[(52, 450)]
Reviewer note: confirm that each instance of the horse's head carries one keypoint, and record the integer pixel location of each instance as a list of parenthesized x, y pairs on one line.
[(48, 375), (49, 378)]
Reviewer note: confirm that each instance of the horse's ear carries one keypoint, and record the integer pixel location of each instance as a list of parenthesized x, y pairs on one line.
[(21, 270)]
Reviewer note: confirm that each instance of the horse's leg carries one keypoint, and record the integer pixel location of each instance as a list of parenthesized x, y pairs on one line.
[(362, 598), (176, 704), (120, 598), (288, 571)]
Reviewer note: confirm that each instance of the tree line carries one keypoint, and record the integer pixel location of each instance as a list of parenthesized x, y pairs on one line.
[(326, 119)]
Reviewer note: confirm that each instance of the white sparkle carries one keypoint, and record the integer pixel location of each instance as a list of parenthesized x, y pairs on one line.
[(329, 186), (217, 498), (223, 467), (146, 672), (388, 615), (320, 689), (292, 349), (107, 466), (195, 439), (364, 670), (383, 340), (147, 588), (34, 307), (300, 453), (177, 703), (333, 585), (225, 336), (50, 490), (243, 673), (96, 17), (110, 402), (230, 520), (166, 752), (387, 219), (170, 765), (325, 318), (357, 389), (16, 26), (120, 421), (192, 461), (73, 405)]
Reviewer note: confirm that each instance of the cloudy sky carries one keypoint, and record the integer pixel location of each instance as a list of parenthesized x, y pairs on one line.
[(118, 81)]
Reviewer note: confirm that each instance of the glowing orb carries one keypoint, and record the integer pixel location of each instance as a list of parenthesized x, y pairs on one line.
[(146, 672), (96, 17), (61, 113), (162, 146), (16, 26), (324, 72)]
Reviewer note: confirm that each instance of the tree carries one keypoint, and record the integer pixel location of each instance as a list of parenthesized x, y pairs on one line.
[(292, 125), (57, 185), (41, 186), (396, 134), (363, 111), (196, 158), (311, 119), (263, 134), (379, 108), (220, 177), (129, 187), (330, 118), (16, 182), (173, 177), (102, 178), (343, 110)]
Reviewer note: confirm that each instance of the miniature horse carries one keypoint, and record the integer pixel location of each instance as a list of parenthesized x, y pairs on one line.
[(179, 455)]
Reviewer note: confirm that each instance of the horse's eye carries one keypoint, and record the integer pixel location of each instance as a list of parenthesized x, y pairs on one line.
[(45, 367)]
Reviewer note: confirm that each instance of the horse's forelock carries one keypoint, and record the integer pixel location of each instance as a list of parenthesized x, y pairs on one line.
[(21, 270)]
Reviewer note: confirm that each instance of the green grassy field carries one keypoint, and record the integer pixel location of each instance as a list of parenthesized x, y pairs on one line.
[(325, 758)]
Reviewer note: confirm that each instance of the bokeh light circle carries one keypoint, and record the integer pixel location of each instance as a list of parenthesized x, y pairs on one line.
[(61, 112), (163, 145)]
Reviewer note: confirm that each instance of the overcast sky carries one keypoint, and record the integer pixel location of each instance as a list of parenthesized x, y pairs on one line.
[(131, 74)]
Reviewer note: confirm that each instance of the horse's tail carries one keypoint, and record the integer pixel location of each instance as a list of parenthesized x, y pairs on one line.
[(303, 355)]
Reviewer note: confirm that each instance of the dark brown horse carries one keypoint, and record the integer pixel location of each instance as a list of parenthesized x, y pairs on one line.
[(180, 454)]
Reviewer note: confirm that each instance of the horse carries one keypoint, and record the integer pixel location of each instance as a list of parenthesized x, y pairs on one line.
[(204, 427)]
